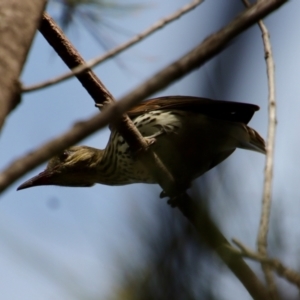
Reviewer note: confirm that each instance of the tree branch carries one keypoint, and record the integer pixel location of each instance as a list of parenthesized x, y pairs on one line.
[(291, 275), (19, 21), (266, 201)]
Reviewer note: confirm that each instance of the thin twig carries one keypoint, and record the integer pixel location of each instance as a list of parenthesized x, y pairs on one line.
[(96, 61), (269, 165), (291, 275), (263, 231), (267, 192)]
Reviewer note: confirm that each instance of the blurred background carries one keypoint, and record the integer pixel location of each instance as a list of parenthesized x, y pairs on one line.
[(124, 242)]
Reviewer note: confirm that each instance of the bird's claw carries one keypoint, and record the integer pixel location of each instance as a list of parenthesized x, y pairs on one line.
[(150, 141)]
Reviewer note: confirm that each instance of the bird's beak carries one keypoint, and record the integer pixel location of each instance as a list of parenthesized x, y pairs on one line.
[(44, 178)]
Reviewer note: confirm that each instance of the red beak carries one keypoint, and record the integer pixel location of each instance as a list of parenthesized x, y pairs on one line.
[(44, 178)]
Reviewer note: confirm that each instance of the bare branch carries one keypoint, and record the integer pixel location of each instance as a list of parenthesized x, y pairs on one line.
[(265, 217), (96, 61), (267, 193), (291, 275), (266, 201), (72, 58)]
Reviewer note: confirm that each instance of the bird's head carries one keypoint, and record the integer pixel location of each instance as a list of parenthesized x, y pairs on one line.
[(75, 167)]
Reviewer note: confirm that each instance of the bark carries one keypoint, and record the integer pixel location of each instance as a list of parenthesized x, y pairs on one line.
[(19, 21)]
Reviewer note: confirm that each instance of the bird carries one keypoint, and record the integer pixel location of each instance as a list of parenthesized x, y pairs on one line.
[(191, 136)]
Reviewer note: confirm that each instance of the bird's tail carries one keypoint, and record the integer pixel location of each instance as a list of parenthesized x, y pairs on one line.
[(251, 140)]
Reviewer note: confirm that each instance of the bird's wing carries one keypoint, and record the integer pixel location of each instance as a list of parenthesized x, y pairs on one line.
[(219, 109)]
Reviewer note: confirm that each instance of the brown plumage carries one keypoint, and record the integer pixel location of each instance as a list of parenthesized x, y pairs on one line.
[(192, 135)]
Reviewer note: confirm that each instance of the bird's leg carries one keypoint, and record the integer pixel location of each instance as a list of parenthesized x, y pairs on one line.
[(151, 139)]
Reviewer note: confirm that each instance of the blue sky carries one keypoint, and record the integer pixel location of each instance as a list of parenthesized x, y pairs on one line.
[(64, 243)]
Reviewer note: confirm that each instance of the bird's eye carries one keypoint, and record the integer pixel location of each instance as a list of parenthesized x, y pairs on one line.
[(64, 155)]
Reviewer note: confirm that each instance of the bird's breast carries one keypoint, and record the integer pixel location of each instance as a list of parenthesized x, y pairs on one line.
[(188, 143)]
